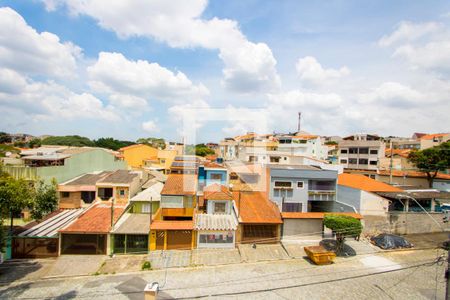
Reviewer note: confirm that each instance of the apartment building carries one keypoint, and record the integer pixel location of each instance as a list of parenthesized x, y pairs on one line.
[(361, 152)]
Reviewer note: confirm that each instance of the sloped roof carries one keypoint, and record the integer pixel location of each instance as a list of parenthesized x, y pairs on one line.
[(256, 208), (132, 224), (87, 179), (152, 193), (315, 215), (217, 191), (134, 146), (50, 226), (400, 173), (180, 184), (400, 152), (433, 135), (96, 219), (215, 222), (365, 183), (119, 177)]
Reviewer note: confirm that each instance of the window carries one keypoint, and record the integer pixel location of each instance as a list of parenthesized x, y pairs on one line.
[(343, 161), (220, 207), (374, 151), (216, 176), (146, 208), (363, 161), (274, 159), (283, 184), (252, 158), (353, 161), (300, 184), (344, 151), (285, 158), (292, 207), (105, 193), (282, 193), (221, 238), (353, 150), (162, 161), (65, 194), (373, 162), (363, 150), (88, 197), (122, 193)]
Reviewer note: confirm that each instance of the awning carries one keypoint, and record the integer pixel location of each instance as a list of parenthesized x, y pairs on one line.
[(215, 222)]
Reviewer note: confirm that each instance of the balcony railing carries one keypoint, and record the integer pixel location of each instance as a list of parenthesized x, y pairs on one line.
[(321, 195)]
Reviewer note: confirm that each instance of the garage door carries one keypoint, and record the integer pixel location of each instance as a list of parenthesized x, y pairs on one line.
[(264, 234), (179, 239), (298, 228), (83, 244)]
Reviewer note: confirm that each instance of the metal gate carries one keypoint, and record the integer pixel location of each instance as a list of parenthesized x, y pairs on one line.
[(179, 239), (160, 240)]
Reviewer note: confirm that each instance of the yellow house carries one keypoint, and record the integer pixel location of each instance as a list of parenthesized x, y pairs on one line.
[(135, 155), (162, 161)]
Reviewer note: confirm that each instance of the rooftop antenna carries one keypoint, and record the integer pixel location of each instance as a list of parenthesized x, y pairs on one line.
[(299, 119)]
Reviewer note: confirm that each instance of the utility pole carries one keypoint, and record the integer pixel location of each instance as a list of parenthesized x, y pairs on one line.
[(390, 162), (299, 119)]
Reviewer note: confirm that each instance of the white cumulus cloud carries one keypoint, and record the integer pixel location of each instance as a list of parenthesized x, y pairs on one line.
[(25, 50), (310, 70), (249, 67), (150, 126)]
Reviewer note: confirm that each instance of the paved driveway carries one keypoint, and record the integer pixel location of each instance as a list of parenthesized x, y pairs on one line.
[(254, 253), (212, 257)]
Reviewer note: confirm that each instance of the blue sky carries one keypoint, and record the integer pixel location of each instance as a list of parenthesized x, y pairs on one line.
[(106, 68)]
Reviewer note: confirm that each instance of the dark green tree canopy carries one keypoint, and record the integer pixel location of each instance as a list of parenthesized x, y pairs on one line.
[(68, 140), (432, 160), (343, 225), (158, 143), (111, 143)]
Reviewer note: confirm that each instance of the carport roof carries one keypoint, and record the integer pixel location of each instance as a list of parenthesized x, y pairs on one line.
[(51, 226), (132, 224), (215, 222)]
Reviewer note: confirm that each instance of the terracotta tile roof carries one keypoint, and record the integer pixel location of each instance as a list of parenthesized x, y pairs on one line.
[(418, 174), (433, 135), (180, 184), (400, 152), (171, 225), (96, 219), (305, 137), (315, 215), (217, 191), (213, 165), (256, 208), (365, 183)]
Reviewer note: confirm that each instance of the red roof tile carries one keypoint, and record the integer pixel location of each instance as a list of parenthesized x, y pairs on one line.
[(365, 183), (256, 208), (434, 135), (399, 173), (217, 191), (96, 219), (180, 184)]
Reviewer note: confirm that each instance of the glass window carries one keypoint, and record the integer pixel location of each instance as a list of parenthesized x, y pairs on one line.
[(373, 162), (283, 184), (344, 150), (146, 208), (122, 193), (65, 194), (352, 161), (274, 159), (353, 150), (363, 161), (300, 184), (292, 207), (216, 176), (221, 238), (363, 150), (374, 151), (343, 161), (219, 207)]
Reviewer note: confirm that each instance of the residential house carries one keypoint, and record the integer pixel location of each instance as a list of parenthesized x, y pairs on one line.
[(172, 226), (147, 201), (217, 222), (415, 179), (212, 172), (80, 191), (136, 155), (361, 152), (63, 163), (228, 149), (178, 147), (302, 188), (119, 186), (399, 160), (162, 162), (431, 140), (89, 232), (259, 218), (185, 164)]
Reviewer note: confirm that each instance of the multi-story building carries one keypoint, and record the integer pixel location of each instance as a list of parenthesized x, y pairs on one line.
[(361, 152), (431, 140)]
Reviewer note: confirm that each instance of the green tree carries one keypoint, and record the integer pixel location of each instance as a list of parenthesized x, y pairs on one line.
[(68, 140), (45, 199), (203, 150), (111, 143), (432, 160), (158, 143), (342, 226), (34, 143)]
